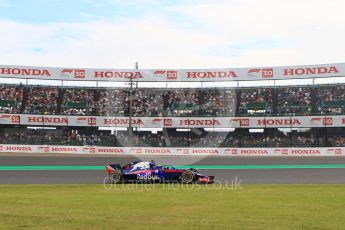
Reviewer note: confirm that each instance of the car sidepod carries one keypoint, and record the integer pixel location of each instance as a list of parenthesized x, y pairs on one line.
[(146, 175)]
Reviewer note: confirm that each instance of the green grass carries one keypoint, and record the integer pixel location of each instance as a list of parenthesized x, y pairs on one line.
[(176, 207)]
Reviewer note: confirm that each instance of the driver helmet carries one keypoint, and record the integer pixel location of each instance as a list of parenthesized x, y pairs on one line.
[(152, 163)]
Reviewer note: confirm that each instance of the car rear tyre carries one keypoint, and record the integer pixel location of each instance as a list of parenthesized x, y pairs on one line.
[(187, 177), (115, 177)]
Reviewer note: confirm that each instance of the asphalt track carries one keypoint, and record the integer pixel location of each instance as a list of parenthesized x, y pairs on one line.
[(245, 170)]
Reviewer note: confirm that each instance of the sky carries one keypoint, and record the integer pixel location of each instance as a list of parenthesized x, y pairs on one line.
[(171, 34)]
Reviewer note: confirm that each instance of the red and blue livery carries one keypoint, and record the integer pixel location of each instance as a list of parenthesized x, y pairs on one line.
[(150, 172)]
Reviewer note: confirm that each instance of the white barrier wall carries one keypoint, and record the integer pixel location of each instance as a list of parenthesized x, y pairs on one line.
[(334, 151), (174, 75), (177, 122)]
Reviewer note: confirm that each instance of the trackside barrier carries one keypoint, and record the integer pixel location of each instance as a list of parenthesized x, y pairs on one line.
[(323, 151)]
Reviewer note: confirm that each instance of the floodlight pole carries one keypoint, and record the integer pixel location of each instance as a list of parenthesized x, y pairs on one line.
[(130, 135)]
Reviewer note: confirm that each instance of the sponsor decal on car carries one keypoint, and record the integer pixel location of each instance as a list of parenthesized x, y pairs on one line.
[(147, 176)]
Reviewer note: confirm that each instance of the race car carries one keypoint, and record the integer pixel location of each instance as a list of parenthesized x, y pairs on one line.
[(150, 172)]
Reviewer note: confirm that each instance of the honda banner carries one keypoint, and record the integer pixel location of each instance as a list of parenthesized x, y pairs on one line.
[(175, 122), (335, 151), (166, 75)]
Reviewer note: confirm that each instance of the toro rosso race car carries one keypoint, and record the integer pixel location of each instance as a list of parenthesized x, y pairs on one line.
[(150, 172)]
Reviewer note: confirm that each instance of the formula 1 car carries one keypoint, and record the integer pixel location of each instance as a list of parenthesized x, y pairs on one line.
[(150, 172)]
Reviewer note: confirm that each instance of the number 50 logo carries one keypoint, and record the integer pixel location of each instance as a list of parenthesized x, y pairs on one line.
[(91, 121), (15, 119), (79, 73)]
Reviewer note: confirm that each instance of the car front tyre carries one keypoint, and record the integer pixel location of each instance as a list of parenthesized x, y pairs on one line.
[(187, 177)]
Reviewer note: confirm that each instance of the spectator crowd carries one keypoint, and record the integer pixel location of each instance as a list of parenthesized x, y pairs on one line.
[(41, 100), (238, 138), (256, 101), (294, 101), (278, 101), (11, 98), (331, 100)]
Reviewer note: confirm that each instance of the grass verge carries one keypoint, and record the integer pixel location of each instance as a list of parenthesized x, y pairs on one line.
[(175, 207)]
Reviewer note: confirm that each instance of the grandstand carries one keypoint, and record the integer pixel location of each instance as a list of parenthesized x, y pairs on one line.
[(278, 116)]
